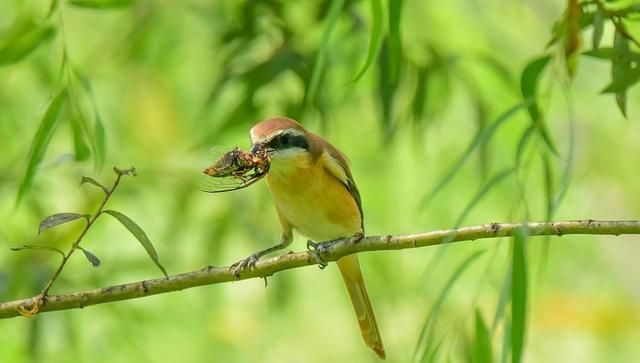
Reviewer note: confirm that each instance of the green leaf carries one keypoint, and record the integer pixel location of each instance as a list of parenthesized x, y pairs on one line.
[(41, 142), (395, 39), (93, 259), (626, 78), (606, 53), (37, 247), (86, 179), (425, 341), (519, 295), (522, 144), (598, 25), (420, 94), (23, 41), (59, 218), (505, 297), (482, 192), (482, 137), (98, 134), (53, 7), (97, 137), (481, 352), (528, 87), (137, 232), (386, 91), (620, 70), (614, 55), (82, 151), (377, 30), (547, 175), (332, 18), (506, 341), (102, 4), (568, 168)]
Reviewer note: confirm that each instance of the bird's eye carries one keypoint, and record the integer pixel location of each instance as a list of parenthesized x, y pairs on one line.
[(285, 140)]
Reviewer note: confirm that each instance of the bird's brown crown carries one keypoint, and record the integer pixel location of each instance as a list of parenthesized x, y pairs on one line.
[(267, 128)]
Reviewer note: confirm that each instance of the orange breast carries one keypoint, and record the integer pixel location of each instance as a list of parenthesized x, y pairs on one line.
[(312, 200)]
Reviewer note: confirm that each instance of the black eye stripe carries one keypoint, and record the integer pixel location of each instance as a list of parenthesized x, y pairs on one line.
[(288, 141), (299, 141)]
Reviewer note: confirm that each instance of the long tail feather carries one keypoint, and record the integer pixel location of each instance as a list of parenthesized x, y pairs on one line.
[(350, 269)]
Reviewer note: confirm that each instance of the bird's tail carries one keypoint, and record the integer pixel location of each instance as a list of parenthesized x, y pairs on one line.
[(350, 270)]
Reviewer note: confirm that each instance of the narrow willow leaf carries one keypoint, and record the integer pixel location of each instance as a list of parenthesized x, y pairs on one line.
[(528, 87), (93, 259), (598, 27), (518, 296), (425, 341), (332, 18), (435, 351), (80, 147), (86, 179), (377, 30), (102, 4), (614, 55), (98, 133), (625, 79), (522, 144), (572, 36), (140, 235), (53, 7), (395, 39), (41, 142), (547, 176), (386, 91), (481, 351), (505, 297), (606, 53), (420, 95), (97, 137), (506, 342), (19, 46), (482, 137), (59, 218), (482, 192), (620, 69), (37, 247), (568, 168)]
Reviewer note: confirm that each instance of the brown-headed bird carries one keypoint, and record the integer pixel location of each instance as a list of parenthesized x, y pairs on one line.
[(315, 194)]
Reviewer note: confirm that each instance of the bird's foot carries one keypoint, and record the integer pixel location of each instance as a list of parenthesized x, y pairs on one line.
[(316, 250), (357, 237), (245, 264), (320, 248)]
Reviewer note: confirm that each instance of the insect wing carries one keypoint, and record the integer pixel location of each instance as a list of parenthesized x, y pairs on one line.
[(225, 184)]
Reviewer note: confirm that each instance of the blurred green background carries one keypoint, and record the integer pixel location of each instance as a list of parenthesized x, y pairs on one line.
[(154, 84)]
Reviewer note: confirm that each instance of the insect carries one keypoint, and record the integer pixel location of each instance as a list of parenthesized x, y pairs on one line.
[(234, 169)]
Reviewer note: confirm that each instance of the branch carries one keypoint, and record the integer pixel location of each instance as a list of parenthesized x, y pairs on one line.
[(214, 275)]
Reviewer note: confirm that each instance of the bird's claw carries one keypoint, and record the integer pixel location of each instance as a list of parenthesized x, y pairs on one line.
[(316, 250), (248, 264)]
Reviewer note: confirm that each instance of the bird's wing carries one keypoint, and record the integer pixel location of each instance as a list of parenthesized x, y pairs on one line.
[(336, 163)]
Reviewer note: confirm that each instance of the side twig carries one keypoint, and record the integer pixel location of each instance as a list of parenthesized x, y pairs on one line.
[(214, 275), (39, 300)]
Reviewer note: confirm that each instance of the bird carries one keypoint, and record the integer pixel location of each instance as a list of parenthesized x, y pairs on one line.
[(314, 194)]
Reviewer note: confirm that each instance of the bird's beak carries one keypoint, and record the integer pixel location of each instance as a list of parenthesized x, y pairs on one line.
[(257, 147), (262, 147)]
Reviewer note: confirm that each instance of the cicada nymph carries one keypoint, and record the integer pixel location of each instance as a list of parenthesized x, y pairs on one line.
[(234, 169)]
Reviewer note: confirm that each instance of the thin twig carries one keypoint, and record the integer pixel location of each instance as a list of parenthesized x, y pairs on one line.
[(41, 298), (215, 275)]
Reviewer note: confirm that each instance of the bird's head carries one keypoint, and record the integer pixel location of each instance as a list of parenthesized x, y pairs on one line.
[(286, 141)]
